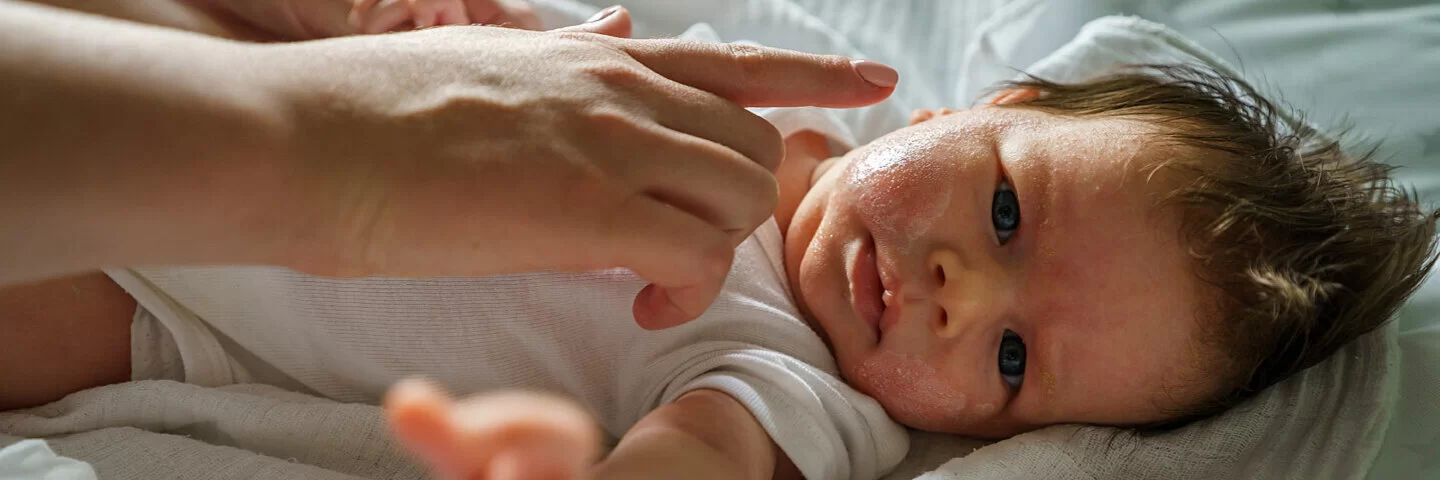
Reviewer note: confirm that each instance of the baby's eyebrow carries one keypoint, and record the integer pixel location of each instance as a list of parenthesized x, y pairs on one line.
[(1046, 392), (1048, 379), (1041, 203)]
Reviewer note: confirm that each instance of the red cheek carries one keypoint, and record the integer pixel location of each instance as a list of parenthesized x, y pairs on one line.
[(914, 392), (903, 189)]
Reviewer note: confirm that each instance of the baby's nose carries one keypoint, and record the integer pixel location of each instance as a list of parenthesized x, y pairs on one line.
[(963, 293)]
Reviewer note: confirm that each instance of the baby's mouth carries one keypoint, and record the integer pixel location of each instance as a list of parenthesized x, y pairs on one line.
[(867, 292), (892, 297)]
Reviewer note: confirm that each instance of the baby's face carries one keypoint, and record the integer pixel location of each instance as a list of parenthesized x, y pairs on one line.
[(998, 270)]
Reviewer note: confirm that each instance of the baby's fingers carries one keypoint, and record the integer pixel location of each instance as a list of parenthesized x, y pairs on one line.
[(419, 414), (504, 13), (504, 436), (429, 13), (527, 435), (380, 16)]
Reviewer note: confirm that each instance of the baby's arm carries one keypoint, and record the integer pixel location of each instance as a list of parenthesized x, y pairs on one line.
[(704, 434)]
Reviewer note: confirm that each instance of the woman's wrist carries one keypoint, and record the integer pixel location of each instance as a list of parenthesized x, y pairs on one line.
[(239, 199), (178, 161)]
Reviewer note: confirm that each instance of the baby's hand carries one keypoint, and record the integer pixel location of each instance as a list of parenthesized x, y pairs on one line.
[(506, 436), (378, 16)]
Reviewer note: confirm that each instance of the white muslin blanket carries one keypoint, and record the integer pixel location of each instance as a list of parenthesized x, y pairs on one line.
[(168, 430), (34, 460)]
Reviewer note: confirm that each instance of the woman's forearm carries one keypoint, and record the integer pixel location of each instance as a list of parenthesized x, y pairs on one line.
[(125, 144)]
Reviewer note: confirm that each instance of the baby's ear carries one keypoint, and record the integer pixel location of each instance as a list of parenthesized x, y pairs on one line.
[(1015, 95), (924, 114), (921, 115)]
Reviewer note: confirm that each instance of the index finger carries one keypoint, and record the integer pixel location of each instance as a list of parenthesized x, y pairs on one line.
[(755, 76)]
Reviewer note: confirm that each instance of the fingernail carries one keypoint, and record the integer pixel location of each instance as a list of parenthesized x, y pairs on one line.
[(661, 308), (601, 15), (878, 74), (669, 308)]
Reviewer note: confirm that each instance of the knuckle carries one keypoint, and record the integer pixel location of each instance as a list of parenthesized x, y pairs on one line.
[(586, 44), (610, 123), (835, 63), (616, 73), (748, 60), (574, 36)]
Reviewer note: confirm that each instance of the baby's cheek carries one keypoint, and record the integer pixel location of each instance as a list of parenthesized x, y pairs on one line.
[(915, 393), (903, 189)]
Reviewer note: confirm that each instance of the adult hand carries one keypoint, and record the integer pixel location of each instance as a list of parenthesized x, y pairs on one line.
[(475, 150)]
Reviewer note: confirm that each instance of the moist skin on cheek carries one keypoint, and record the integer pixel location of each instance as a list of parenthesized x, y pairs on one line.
[(903, 188), (913, 391)]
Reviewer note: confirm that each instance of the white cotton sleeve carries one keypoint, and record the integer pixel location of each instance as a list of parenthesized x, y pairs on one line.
[(827, 429), (790, 121)]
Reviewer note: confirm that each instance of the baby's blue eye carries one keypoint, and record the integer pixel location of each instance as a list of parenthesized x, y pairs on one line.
[(1012, 359), (1005, 212)]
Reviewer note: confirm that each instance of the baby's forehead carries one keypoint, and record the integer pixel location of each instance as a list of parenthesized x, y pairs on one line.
[(1073, 140), (1099, 138), (1113, 286), (1087, 159)]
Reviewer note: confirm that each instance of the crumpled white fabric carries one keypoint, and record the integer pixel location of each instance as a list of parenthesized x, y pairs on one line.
[(161, 430), (33, 460)]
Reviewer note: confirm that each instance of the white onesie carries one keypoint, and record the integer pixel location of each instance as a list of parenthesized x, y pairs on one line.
[(568, 333)]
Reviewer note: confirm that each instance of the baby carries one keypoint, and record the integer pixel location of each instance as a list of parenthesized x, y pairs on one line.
[(1142, 249)]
